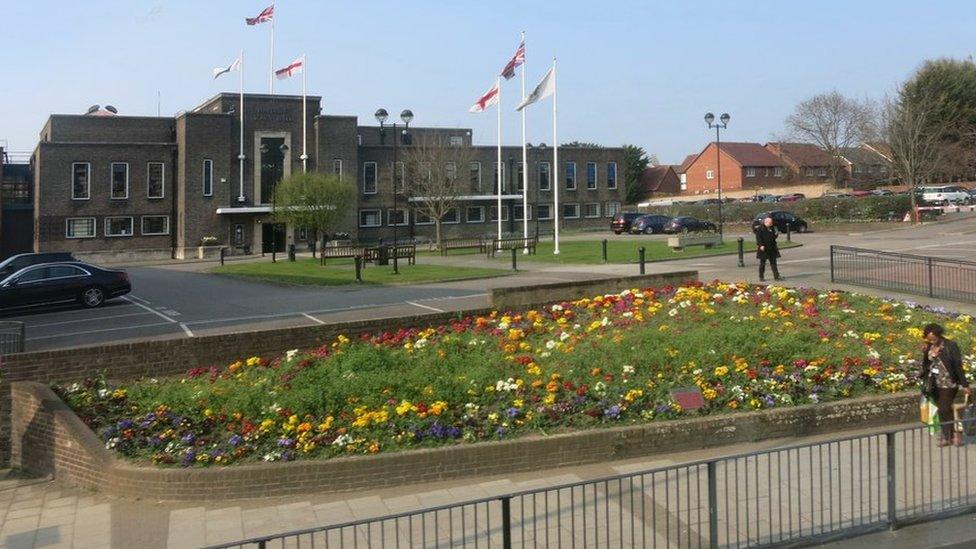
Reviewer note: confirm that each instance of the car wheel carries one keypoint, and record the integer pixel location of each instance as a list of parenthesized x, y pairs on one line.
[(649, 230), (92, 297), (684, 230), (617, 232), (802, 228)]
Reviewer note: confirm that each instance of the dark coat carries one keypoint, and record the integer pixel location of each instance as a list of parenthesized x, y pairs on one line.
[(951, 357), (766, 237)]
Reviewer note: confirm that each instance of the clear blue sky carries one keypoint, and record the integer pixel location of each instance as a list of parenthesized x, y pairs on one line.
[(638, 72)]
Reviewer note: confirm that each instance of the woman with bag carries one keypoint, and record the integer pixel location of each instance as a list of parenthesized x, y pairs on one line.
[(941, 376)]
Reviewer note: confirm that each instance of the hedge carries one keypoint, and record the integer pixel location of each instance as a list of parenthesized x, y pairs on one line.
[(815, 209)]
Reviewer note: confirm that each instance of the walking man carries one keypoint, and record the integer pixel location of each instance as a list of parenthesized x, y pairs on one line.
[(766, 249)]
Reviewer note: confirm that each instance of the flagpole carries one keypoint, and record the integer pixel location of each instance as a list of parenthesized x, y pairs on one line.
[(555, 163), (304, 117), (525, 171), (272, 75), (498, 168), (240, 154)]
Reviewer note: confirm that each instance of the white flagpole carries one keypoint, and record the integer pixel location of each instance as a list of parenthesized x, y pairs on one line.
[(525, 170), (272, 75), (555, 164), (498, 167), (240, 154), (304, 117)]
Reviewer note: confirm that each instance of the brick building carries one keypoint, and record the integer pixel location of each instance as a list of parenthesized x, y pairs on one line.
[(16, 225), (160, 185), (807, 163), (660, 180), (743, 166)]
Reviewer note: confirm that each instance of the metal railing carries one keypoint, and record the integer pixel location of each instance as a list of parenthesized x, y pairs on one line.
[(937, 277), (793, 496), (11, 337)]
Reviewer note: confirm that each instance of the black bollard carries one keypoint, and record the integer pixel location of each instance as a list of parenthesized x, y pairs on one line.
[(788, 239), (359, 268), (222, 251), (742, 262), (291, 252), (640, 258), (604, 250), (514, 260)]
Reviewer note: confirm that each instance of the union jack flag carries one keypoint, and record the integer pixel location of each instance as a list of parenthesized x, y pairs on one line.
[(509, 71), (263, 17)]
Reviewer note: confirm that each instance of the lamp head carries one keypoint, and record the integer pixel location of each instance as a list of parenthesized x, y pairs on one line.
[(725, 118), (709, 118), (381, 116), (406, 116)]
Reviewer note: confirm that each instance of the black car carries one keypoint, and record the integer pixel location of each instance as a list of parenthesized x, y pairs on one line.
[(621, 222), (782, 220), (62, 282), (649, 224), (687, 224), (17, 262), (708, 202)]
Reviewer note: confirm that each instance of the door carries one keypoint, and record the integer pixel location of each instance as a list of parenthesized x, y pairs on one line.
[(27, 289), (272, 237), (64, 282)]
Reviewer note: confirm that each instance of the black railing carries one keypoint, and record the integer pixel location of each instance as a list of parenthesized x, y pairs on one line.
[(937, 277), (795, 495), (11, 337)]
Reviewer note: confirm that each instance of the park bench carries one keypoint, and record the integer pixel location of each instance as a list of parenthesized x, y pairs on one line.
[(519, 243), (680, 242), (463, 244), (337, 252), (374, 254)]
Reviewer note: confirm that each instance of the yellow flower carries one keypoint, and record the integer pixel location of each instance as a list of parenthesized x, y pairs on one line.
[(721, 371)]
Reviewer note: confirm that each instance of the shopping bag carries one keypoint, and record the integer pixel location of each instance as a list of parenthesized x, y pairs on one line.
[(929, 413)]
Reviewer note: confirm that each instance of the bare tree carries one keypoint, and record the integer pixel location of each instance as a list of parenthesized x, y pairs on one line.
[(833, 123), (436, 178)]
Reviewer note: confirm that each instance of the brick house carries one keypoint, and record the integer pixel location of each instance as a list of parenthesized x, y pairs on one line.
[(864, 166), (743, 166), (682, 169), (658, 180), (806, 163)]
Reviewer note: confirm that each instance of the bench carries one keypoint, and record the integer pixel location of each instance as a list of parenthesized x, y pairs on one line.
[(678, 243), (337, 252), (374, 254), (512, 244), (462, 244)]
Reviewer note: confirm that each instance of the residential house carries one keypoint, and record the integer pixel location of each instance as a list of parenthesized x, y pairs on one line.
[(680, 169), (742, 166), (658, 180), (864, 166), (806, 163)]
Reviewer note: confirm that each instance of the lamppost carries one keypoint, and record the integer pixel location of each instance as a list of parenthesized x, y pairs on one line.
[(275, 178), (381, 116), (723, 124)]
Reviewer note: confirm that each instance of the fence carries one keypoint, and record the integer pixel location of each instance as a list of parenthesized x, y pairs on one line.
[(928, 276), (11, 337), (793, 496)]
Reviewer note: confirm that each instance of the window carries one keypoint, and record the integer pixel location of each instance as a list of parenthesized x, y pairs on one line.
[(822, 172), (154, 179), (238, 234), (750, 172), (120, 180), (118, 226), (709, 174), (591, 175), (337, 167), (369, 178), (65, 271), (34, 275), (475, 214), (452, 216), (611, 175), (398, 217), (811, 172), (494, 185), (80, 181), (517, 212), (370, 218), (155, 225), (302, 234), (611, 209), (450, 171), (421, 218), (400, 177), (80, 227), (778, 171), (570, 211), (571, 176), (545, 181), (456, 141), (207, 177), (474, 175), (765, 172), (519, 176), (493, 213), (591, 210), (543, 211)]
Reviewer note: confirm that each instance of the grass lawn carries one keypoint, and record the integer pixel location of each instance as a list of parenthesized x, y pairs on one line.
[(342, 271), (620, 251)]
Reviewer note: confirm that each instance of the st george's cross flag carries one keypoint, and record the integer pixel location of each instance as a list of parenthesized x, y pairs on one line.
[(509, 71), (546, 87), (489, 98), (235, 66), (266, 15), (292, 69)]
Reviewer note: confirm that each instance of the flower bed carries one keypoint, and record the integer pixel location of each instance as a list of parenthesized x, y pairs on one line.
[(609, 360)]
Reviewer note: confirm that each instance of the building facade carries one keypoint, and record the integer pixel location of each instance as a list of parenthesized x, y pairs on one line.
[(16, 220), (742, 166), (165, 186)]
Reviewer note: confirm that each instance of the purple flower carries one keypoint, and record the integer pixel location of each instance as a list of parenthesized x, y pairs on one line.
[(501, 431), (512, 412), (188, 458), (125, 424), (188, 438), (235, 440), (612, 412), (662, 408), (286, 442)]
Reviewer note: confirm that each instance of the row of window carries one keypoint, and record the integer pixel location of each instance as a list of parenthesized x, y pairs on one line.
[(371, 177), (373, 217), (119, 182), (87, 227)]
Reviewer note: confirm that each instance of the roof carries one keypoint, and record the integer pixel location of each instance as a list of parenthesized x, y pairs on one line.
[(863, 155), (654, 176), (750, 154), (804, 154), (879, 147), (683, 167)]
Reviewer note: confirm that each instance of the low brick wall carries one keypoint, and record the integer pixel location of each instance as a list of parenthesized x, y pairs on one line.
[(50, 440), (512, 298)]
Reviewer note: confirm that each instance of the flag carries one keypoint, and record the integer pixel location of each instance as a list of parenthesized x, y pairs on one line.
[(545, 88), (292, 69), (235, 66), (509, 71), (266, 15), (489, 98)]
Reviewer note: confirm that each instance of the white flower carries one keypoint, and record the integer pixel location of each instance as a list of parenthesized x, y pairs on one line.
[(628, 369), (102, 393), (342, 440), (544, 354), (420, 343), (557, 308), (627, 314), (550, 344), (605, 322), (563, 336), (673, 312), (291, 354)]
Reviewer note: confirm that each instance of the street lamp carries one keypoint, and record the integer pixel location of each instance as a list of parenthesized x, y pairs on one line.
[(723, 124), (407, 116), (274, 187)]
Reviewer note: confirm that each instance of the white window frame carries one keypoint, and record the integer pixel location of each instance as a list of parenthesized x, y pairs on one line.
[(418, 219), (709, 174), (111, 180), (778, 171), (142, 225), (822, 172), (108, 221), (548, 208), (587, 205), (375, 179), (614, 165), (457, 218), (750, 172), (406, 217), (596, 176), (519, 176), (88, 173), (162, 180), (515, 209), (575, 178), (337, 163), (548, 168), (495, 208), (611, 209), (577, 207), (207, 174), (478, 182), (379, 217), (481, 214), (94, 225)]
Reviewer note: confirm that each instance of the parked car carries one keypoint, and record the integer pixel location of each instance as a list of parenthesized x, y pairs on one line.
[(835, 195), (782, 220), (793, 197), (708, 202), (861, 194), (621, 222), (17, 262), (882, 192), (764, 197), (949, 194), (649, 224), (687, 224), (63, 282)]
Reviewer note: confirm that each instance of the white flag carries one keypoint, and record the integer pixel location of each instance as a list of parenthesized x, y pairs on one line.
[(546, 87), (235, 66)]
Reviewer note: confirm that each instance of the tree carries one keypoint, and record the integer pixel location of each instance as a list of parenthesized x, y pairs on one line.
[(435, 178), (582, 145), (833, 123), (635, 162), (315, 201)]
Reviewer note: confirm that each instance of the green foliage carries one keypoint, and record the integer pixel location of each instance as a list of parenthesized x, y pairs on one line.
[(635, 162), (815, 209), (313, 200), (582, 145), (947, 84)]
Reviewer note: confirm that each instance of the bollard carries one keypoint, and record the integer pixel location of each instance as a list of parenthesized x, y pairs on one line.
[(640, 258), (788, 239), (604, 250), (742, 262), (396, 266), (291, 252), (514, 260), (222, 251), (359, 268)]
